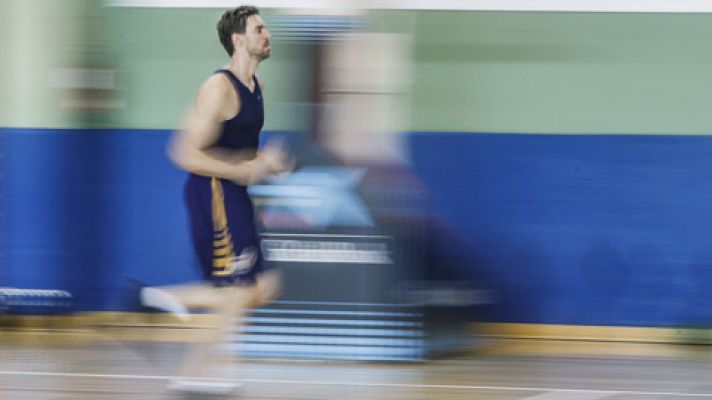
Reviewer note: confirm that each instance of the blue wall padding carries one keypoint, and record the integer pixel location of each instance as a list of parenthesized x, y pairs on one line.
[(570, 229), (602, 230), (87, 209)]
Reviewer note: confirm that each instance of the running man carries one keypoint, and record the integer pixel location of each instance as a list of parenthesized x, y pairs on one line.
[(218, 147)]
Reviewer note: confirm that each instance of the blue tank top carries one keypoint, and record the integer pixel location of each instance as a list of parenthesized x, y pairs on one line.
[(242, 132)]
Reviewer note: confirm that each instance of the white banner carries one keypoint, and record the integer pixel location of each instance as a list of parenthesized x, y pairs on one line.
[(646, 6)]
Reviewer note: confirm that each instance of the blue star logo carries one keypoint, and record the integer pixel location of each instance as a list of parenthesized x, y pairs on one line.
[(325, 196)]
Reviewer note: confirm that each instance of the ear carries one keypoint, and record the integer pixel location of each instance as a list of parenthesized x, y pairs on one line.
[(236, 39)]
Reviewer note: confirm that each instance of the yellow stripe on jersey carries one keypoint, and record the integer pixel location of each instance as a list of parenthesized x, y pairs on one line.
[(223, 250)]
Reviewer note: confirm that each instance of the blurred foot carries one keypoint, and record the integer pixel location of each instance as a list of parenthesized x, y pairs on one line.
[(164, 301), (205, 387), (131, 295)]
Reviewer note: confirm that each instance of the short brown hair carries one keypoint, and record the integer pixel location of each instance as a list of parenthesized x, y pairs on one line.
[(234, 21)]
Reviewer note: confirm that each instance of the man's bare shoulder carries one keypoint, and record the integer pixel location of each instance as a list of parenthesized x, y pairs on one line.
[(216, 84), (216, 97)]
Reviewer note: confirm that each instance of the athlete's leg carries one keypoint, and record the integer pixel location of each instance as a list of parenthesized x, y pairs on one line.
[(268, 287), (230, 305)]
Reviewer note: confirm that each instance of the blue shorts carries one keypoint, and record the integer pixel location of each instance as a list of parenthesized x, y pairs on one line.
[(222, 225)]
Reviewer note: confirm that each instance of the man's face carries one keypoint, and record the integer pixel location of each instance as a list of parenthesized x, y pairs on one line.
[(257, 37)]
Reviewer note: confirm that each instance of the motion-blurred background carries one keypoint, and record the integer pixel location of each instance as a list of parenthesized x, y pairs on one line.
[(538, 169)]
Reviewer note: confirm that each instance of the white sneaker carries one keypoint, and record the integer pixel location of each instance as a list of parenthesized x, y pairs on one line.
[(162, 300), (196, 386)]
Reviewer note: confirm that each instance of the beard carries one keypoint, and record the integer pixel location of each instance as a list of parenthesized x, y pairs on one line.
[(261, 53)]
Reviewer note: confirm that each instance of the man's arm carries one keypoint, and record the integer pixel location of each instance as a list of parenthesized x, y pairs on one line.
[(190, 148)]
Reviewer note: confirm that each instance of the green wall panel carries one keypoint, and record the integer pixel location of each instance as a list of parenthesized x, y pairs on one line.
[(562, 72), (163, 55), (472, 71)]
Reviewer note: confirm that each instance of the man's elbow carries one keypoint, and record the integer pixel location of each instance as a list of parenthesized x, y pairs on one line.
[(179, 157)]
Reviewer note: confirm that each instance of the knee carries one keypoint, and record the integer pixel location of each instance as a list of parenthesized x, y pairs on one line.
[(269, 287)]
